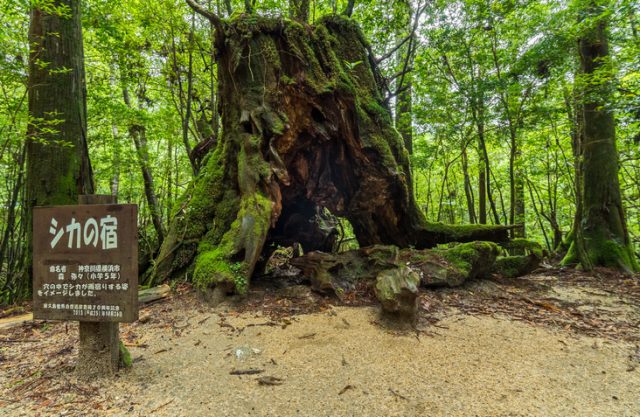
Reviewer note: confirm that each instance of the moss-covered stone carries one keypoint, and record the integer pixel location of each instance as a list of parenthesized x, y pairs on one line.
[(516, 266), (472, 259), (397, 291), (526, 246)]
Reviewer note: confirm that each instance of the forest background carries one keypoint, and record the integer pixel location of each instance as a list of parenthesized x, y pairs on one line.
[(484, 93)]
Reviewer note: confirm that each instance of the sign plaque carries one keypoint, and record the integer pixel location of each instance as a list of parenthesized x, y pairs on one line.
[(85, 263)]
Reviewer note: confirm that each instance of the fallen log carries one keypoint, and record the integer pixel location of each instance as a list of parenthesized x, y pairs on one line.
[(148, 295), (340, 272)]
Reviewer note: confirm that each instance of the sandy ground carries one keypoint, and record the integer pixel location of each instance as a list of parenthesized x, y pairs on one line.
[(338, 361)]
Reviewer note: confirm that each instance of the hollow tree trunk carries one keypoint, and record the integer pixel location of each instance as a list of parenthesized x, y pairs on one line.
[(304, 130)]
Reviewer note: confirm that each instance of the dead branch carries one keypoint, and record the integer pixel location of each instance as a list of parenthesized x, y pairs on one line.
[(213, 18)]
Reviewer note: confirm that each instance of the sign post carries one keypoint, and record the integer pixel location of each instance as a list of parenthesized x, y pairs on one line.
[(85, 268)]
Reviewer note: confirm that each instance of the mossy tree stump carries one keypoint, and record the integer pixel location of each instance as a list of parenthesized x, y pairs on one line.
[(304, 128)]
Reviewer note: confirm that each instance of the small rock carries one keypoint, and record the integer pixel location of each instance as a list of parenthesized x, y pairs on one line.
[(145, 318), (244, 352), (297, 292), (397, 291)]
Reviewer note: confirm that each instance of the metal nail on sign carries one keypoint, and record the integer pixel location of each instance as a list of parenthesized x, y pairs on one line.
[(85, 263)]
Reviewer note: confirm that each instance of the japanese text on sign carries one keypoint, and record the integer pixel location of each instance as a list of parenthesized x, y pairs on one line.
[(85, 262), (87, 235)]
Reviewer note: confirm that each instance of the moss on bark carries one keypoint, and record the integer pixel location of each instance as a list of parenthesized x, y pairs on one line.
[(600, 235)]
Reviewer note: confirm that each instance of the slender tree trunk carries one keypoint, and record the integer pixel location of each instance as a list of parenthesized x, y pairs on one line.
[(188, 101), (468, 190), (115, 178), (138, 134), (516, 184), (404, 56), (482, 191), (600, 235), (299, 10), (498, 187), (11, 209), (539, 214), (183, 98), (403, 115), (552, 197), (486, 175), (348, 10), (58, 165), (516, 173), (169, 193)]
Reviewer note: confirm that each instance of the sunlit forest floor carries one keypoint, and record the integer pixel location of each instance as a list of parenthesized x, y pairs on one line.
[(554, 343)]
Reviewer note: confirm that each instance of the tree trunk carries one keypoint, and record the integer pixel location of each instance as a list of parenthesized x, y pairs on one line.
[(58, 165), (403, 115), (304, 129), (9, 227), (482, 188), (138, 134), (468, 190), (516, 184), (600, 230), (299, 10)]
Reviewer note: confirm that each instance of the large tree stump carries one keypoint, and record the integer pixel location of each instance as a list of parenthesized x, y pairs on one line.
[(304, 128)]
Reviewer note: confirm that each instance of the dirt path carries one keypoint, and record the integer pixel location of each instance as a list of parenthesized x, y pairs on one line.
[(339, 361)]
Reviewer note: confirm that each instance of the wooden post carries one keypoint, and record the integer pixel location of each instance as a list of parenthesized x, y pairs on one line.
[(99, 351)]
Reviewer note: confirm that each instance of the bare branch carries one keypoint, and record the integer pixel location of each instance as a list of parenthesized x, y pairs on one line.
[(213, 18), (399, 74), (414, 28), (397, 92), (394, 49)]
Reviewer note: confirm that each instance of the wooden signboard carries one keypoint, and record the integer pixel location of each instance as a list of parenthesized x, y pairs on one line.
[(85, 263)]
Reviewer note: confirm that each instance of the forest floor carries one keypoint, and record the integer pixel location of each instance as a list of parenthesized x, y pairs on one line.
[(554, 343)]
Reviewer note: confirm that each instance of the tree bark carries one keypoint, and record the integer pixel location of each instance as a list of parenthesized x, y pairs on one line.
[(58, 165), (299, 10), (9, 227), (600, 232), (468, 190), (403, 115), (138, 134)]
